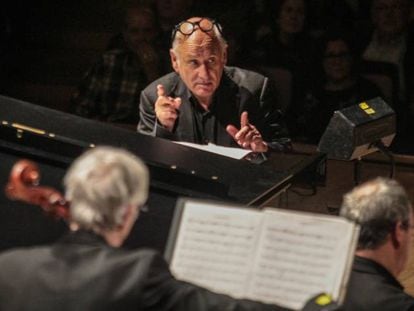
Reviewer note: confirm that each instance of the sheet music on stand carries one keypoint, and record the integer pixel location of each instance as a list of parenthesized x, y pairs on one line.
[(272, 255)]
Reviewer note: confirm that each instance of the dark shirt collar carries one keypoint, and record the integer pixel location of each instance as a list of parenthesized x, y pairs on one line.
[(365, 265), (199, 108)]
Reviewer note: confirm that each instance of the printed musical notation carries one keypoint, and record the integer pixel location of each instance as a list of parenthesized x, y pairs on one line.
[(217, 248), (300, 255), (271, 255)]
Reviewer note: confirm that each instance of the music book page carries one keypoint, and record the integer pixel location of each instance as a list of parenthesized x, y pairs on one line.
[(301, 255), (216, 246), (271, 255)]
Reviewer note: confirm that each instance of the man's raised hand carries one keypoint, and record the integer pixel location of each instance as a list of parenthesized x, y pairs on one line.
[(247, 136), (166, 108)]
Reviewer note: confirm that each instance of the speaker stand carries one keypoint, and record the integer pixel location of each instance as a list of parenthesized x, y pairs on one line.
[(357, 171), (384, 150)]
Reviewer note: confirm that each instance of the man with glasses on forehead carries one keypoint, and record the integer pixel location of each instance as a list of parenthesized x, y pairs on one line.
[(205, 101)]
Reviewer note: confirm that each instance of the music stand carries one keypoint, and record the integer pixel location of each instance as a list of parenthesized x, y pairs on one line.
[(359, 130)]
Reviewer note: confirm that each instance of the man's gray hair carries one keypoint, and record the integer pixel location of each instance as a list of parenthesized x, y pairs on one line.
[(376, 206), (101, 183)]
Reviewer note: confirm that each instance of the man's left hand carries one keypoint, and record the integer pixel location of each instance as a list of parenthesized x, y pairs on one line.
[(247, 136)]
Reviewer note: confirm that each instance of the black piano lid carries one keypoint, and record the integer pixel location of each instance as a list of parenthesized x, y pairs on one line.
[(60, 137)]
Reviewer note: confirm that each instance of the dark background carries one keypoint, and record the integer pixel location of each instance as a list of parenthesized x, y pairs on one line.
[(46, 46)]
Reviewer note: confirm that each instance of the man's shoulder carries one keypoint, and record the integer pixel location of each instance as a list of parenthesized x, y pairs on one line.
[(18, 257), (16, 261), (240, 74), (18, 251), (142, 253), (373, 287), (148, 260), (245, 77), (169, 81)]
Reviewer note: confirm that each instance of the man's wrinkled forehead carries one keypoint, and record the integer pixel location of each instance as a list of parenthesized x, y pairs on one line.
[(200, 42)]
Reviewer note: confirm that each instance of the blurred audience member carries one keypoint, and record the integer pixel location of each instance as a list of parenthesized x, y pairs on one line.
[(239, 20), (392, 40), (170, 13), (289, 46), (327, 14), (110, 89), (340, 86), (5, 49)]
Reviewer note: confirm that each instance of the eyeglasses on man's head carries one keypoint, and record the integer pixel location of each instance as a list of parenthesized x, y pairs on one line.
[(187, 28)]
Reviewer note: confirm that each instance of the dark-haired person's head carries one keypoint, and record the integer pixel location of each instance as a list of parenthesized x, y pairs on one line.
[(339, 55), (289, 16), (390, 17), (140, 26)]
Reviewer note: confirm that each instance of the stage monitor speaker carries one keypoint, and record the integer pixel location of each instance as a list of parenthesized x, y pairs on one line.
[(359, 130)]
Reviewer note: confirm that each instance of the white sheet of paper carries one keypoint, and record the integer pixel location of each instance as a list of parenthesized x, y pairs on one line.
[(215, 247), (235, 153), (300, 257)]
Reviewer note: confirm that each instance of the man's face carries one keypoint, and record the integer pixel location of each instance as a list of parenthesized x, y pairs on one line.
[(200, 61), (390, 16), (337, 61), (292, 16), (140, 29)]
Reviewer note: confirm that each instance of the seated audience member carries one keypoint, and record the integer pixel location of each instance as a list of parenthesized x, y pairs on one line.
[(110, 89), (239, 20), (87, 269), (392, 40), (205, 101), (340, 86), (289, 46), (169, 13), (382, 209), (327, 14)]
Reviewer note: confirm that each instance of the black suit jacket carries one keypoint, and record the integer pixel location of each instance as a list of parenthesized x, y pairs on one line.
[(372, 288), (239, 90), (81, 272)]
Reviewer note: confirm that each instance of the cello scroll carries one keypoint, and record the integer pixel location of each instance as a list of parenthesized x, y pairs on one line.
[(23, 185)]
